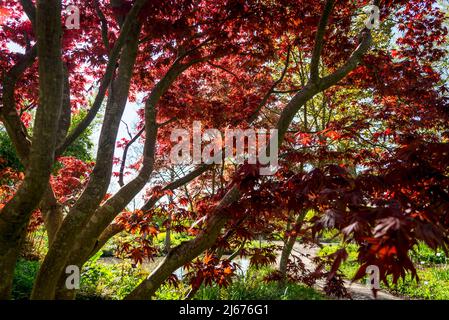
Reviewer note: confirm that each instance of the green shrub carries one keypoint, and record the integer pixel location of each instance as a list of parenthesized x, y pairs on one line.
[(433, 284), (350, 266), (422, 254), (330, 235), (24, 275), (170, 292), (8, 152), (107, 281), (253, 287), (253, 244), (248, 287)]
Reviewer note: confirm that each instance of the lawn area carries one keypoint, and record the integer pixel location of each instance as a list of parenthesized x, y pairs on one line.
[(432, 269)]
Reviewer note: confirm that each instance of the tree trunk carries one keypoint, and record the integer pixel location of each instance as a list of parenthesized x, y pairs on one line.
[(289, 243), (167, 241), (52, 214), (55, 261), (7, 264), (286, 251), (16, 214)]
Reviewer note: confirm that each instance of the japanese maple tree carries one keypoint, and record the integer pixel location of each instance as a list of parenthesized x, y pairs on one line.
[(362, 120)]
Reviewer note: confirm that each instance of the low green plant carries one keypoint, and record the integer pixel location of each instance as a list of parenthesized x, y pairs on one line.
[(350, 266), (422, 254), (330, 235), (255, 244), (170, 292), (253, 287), (433, 284), (108, 281), (24, 275), (245, 287)]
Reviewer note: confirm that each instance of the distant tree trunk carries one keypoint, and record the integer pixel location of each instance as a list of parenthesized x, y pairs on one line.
[(191, 293), (289, 243), (167, 241), (237, 252)]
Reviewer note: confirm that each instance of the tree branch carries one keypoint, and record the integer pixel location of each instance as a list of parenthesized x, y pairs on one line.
[(30, 11), (104, 26), (107, 77), (9, 116), (319, 39), (255, 114), (125, 154), (176, 184)]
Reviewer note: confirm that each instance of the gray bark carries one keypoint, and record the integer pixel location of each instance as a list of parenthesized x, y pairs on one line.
[(16, 213), (55, 260)]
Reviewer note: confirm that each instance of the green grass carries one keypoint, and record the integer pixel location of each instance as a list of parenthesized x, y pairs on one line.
[(433, 284), (241, 290), (350, 266), (253, 287), (432, 269)]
